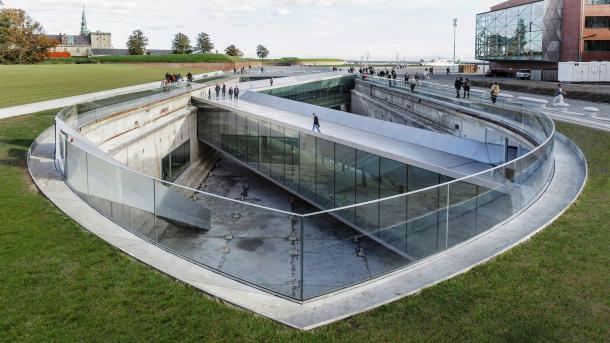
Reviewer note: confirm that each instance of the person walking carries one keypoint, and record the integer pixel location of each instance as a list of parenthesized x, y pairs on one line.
[(406, 78), (495, 91), (458, 86), (271, 81), (316, 123), (236, 93), (230, 93), (412, 84), (217, 89), (559, 94), (466, 86), (209, 93), (224, 91)]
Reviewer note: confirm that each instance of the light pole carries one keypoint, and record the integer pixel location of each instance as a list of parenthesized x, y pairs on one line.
[(455, 21)]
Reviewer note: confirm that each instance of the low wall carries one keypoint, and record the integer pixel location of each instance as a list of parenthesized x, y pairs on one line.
[(380, 102)]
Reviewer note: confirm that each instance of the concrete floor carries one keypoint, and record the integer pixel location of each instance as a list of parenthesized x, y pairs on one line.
[(263, 247)]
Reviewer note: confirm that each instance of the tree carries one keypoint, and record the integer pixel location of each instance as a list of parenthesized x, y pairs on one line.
[(232, 50), (22, 39), (181, 44), (204, 43), (261, 52), (137, 43)]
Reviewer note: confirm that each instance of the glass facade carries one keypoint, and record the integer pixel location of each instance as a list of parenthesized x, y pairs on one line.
[(176, 162), (328, 93), (332, 175), (526, 32)]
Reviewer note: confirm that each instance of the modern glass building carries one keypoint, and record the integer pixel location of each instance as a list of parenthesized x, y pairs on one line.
[(516, 33), (327, 93), (537, 34)]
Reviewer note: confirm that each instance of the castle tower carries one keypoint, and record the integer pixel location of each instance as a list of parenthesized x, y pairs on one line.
[(83, 24)]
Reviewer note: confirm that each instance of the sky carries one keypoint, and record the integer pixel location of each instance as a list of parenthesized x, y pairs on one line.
[(347, 29)]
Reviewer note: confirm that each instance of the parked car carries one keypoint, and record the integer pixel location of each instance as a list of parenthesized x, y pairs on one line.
[(524, 74), (498, 72)]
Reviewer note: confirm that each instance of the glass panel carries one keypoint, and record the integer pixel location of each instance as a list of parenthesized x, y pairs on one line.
[(264, 130), (253, 143), (291, 159), (308, 166), (345, 180), (277, 152), (325, 173), (393, 212), (367, 189)]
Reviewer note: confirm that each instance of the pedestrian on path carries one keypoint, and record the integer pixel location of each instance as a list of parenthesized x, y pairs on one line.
[(231, 93), (458, 86), (495, 91), (224, 91), (271, 81), (316, 123), (236, 93), (412, 84), (559, 94), (210, 93), (466, 86), (217, 89)]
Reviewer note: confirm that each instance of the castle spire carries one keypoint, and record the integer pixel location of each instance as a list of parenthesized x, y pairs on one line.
[(83, 23)]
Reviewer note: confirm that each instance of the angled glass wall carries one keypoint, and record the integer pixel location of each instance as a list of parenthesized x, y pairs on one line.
[(327, 93), (331, 175)]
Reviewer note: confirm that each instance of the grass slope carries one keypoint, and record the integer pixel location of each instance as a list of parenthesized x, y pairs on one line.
[(60, 283), (32, 83)]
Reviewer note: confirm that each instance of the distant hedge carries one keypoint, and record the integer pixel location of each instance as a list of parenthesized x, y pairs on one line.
[(173, 58)]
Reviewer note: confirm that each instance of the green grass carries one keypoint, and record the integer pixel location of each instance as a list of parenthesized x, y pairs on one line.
[(60, 283), (32, 83)]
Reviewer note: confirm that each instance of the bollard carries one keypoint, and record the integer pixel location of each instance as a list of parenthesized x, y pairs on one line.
[(561, 106), (591, 111)]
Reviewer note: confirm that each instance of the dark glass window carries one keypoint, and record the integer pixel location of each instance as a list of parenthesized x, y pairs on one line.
[(597, 22), (597, 45), (598, 2), (176, 162)]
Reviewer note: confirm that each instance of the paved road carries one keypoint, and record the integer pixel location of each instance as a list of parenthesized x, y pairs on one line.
[(575, 105)]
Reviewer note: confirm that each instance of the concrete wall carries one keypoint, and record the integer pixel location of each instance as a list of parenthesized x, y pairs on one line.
[(379, 102)]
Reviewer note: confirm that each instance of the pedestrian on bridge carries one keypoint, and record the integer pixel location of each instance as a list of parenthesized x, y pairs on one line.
[(217, 89), (458, 86), (230, 93), (495, 91), (224, 91), (236, 93), (316, 123), (466, 86), (559, 94), (412, 84)]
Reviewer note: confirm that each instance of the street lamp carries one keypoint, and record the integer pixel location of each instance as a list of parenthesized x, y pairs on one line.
[(455, 21)]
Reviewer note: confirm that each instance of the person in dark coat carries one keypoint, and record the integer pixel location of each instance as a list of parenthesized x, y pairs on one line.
[(466, 86), (458, 86), (316, 123)]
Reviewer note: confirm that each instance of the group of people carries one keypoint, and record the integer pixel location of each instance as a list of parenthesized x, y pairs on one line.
[(233, 92), (462, 84), (242, 70), (171, 79)]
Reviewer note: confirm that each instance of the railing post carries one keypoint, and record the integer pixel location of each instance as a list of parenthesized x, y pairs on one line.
[(302, 219), (447, 220)]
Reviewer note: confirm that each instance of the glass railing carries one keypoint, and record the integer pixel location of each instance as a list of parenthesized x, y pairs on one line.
[(302, 256)]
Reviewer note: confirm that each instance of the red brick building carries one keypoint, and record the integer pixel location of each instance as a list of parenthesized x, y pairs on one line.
[(537, 34)]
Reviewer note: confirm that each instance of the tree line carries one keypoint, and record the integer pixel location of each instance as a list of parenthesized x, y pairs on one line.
[(23, 41), (181, 44)]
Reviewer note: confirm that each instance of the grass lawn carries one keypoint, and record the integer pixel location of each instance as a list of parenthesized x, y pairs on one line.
[(25, 84), (60, 283)]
